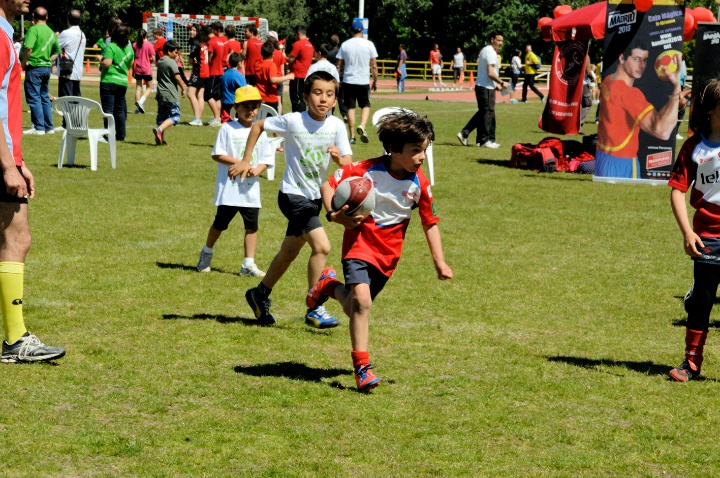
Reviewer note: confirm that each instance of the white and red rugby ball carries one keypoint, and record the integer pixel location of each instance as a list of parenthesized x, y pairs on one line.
[(357, 193)]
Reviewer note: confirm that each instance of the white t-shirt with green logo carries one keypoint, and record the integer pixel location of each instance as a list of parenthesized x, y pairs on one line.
[(231, 140), (306, 145)]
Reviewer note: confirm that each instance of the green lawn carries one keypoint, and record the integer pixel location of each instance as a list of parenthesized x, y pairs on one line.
[(546, 355)]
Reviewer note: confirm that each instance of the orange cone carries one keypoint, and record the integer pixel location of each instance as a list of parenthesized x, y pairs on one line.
[(472, 80), (87, 66)]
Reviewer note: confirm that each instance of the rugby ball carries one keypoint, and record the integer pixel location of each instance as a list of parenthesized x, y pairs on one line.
[(666, 59), (357, 193)]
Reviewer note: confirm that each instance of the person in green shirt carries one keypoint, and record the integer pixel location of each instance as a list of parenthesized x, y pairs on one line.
[(40, 49), (118, 57)]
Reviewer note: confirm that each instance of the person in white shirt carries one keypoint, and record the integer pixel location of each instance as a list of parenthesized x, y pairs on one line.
[(459, 65), (357, 59), (487, 83), (72, 42)]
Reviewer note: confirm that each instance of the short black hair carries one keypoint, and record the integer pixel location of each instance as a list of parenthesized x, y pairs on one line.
[(397, 129), (635, 44), (322, 76), (230, 31), (300, 29), (494, 34), (74, 17), (216, 25), (267, 49), (323, 49), (234, 59), (252, 28), (169, 46), (705, 99)]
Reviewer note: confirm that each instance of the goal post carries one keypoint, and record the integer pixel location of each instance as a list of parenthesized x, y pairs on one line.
[(175, 25)]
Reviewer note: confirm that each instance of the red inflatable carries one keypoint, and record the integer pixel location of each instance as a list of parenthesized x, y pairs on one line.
[(690, 25), (702, 14), (543, 21), (644, 5), (561, 10)]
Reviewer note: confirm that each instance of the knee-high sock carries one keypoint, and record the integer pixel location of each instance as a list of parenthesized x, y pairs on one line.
[(12, 276)]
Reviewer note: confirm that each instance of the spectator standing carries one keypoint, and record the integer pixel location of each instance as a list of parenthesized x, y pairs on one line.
[(280, 62), (268, 76), (117, 59), (142, 70), (159, 37), (16, 186), (322, 63), (200, 71), (487, 82), (401, 69), (168, 97), (232, 45), (532, 64), (72, 42), (357, 58), (299, 60), (436, 65), (459, 65), (251, 52), (232, 79), (515, 68), (40, 49), (213, 87)]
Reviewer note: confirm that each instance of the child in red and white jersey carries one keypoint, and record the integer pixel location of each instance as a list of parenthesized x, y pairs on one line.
[(372, 245), (698, 165)]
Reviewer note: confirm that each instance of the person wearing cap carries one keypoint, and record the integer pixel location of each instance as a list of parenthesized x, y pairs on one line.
[(251, 52), (231, 80), (299, 60), (357, 60), (233, 195)]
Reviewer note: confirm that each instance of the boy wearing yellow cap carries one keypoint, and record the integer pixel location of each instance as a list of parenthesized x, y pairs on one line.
[(233, 195)]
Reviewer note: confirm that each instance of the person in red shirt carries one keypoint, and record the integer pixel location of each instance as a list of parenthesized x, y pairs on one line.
[(436, 64), (372, 244), (280, 62), (231, 45), (213, 86), (268, 76), (299, 60), (159, 43), (251, 52), (16, 186)]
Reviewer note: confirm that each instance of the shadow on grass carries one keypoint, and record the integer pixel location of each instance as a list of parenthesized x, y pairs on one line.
[(683, 323), (170, 265), (73, 166), (560, 177), (223, 319), (647, 367), (295, 371), (503, 163)]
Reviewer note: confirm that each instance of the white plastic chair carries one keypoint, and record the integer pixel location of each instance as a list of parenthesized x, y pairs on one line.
[(266, 112), (76, 111), (377, 116)]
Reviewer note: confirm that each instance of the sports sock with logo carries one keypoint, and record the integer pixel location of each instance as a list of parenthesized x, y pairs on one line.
[(694, 345), (12, 276)]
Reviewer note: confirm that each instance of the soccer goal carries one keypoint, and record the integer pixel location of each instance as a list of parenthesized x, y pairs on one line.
[(175, 25)]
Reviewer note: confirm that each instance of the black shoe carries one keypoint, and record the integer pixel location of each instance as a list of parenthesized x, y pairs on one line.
[(684, 372), (260, 307)]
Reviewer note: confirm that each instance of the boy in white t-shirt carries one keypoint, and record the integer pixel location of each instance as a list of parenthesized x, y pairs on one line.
[(243, 196), (312, 140)]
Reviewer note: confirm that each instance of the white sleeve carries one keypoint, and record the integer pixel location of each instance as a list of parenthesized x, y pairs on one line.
[(277, 124), (265, 153), (373, 50), (221, 142), (63, 40), (341, 139)]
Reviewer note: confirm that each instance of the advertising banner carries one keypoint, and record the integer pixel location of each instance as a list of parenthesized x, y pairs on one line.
[(562, 110), (639, 92), (707, 60)]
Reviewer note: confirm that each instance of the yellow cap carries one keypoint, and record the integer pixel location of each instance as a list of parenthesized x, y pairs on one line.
[(247, 93)]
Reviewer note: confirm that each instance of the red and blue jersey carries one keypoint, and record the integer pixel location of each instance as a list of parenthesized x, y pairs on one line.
[(10, 94), (379, 238)]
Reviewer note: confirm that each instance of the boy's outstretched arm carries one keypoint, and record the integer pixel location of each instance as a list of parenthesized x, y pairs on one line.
[(432, 234), (335, 155), (691, 240), (241, 168)]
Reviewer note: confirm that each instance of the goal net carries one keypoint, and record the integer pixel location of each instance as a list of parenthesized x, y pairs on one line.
[(175, 25)]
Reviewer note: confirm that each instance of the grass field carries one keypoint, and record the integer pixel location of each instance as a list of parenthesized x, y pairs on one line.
[(546, 355)]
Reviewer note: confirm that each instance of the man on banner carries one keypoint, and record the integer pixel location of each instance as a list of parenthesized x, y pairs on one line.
[(624, 111)]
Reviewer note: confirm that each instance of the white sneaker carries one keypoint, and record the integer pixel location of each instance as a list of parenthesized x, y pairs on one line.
[(679, 137), (50, 131), (489, 144), (251, 271), (462, 138), (59, 128), (214, 122), (34, 131), (196, 122), (204, 262)]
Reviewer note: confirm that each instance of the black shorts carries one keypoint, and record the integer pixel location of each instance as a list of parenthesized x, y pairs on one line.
[(213, 88), (361, 272), (302, 213), (5, 197), (359, 94), (196, 82), (225, 214), (251, 80), (143, 77)]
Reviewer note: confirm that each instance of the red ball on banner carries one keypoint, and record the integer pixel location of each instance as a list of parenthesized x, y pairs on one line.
[(702, 14), (690, 23), (561, 10), (644, 5), (543, 21)]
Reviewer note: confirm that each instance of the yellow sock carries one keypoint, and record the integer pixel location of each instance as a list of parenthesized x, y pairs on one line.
[(12, 275)]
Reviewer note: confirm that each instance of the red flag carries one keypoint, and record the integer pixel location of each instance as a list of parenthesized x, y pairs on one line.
[(562, 110)]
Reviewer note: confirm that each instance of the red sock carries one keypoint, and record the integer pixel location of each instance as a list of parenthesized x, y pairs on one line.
[(329, 287), (694, 345), (360, 358)]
